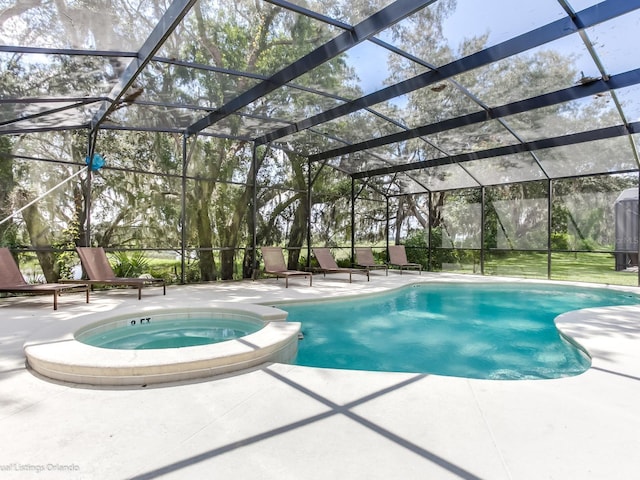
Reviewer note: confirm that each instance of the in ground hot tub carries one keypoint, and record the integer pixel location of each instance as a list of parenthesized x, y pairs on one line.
[(170, 330), (260, 335)]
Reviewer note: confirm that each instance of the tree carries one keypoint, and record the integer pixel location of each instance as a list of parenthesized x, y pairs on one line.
[(252, 38), (8, 232)]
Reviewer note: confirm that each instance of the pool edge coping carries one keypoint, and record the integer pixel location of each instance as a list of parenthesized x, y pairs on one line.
[(450, 278)]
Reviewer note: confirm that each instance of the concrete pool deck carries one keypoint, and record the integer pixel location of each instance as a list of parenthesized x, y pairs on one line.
[(291, 422)]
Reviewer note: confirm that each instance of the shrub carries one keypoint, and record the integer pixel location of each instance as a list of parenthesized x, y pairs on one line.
[(441, 255), (560, 241), (589, 244), (192, 272), (132, 265), (417, 248), (67, 258)]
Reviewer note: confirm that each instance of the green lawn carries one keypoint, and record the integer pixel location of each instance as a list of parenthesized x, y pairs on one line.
[(582, 267)]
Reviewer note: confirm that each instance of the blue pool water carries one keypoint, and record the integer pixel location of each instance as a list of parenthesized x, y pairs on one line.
[(495, 331), (176, 333)]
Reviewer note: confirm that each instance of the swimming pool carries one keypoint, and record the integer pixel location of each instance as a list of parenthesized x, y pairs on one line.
[(493, 331)]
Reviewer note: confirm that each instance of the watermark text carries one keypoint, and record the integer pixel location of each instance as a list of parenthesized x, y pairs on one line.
[(38, 467)]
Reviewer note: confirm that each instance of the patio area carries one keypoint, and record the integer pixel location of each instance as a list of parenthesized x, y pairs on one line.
[(291, 422)]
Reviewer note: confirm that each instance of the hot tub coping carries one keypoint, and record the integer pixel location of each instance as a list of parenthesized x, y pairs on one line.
[(55, 353)]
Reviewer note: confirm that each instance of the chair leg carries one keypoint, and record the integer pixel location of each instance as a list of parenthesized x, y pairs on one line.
[(55, 299)]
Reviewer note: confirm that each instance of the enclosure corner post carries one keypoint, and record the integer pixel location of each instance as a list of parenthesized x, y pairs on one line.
[(482, 227), (429, 231), (254, 212), (549, 224), (93, 137), (183, 211), (309, 205), (353, 219), (387, 228)]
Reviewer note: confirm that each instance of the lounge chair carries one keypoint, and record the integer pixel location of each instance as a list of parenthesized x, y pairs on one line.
[(364, 258), (12, 281), (398, 258), (96, 265), (274, 265), (328, 264)]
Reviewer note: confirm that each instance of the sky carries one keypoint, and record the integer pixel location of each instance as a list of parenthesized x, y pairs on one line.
[(613, 41)]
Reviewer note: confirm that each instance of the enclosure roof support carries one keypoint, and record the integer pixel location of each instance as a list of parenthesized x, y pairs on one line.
[(46, 112), (573, 139), (389, 15), (309, 13), (165, 27), (588, 17), (65, 51), (554, 98)]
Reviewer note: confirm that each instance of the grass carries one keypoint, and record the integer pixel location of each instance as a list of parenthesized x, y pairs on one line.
[(580, 267)]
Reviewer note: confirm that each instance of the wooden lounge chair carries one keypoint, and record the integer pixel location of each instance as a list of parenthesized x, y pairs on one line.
[(12, 281), (364, 258), (328, 264), (398, 258), (96, 265), (274, 265)]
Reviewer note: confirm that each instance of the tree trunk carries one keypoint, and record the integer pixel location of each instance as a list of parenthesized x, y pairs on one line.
[(298, 234), (205, 234), (40, 236), (435, 210), (399, 220), (227, 263), (7, 184), (413, 208), (230, 235), (248, 269), (81, 192)]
